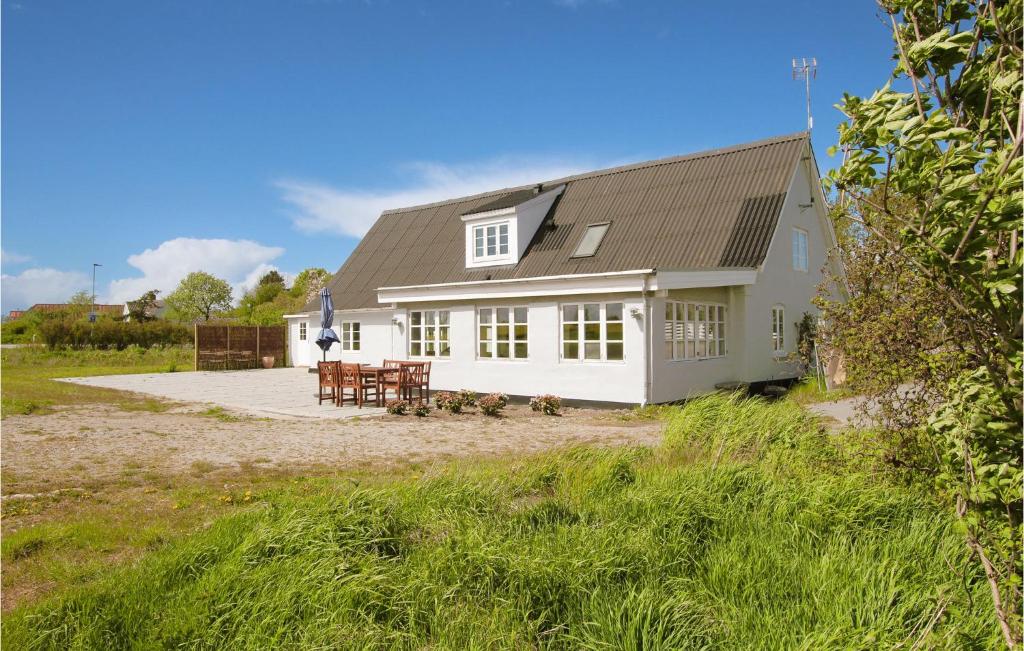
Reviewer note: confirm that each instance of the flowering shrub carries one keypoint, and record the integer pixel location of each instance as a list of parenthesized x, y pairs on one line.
[(450, 402), (546, 403), (396, 407), (492, 403), (421, 410), (468, 397)]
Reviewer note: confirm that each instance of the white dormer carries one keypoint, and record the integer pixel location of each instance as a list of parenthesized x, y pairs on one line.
[(498, 234)]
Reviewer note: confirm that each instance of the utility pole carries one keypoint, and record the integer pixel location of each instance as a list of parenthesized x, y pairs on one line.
[(92, 314), (806, 70)]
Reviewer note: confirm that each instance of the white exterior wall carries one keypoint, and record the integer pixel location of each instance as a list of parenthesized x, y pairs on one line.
[(779, 284), (376, 344)]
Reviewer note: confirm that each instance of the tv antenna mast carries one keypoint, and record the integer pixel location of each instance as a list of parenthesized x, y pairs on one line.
[(806, 69)]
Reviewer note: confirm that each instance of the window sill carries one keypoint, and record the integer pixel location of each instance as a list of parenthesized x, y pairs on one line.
[(602, 362), (698, 359)]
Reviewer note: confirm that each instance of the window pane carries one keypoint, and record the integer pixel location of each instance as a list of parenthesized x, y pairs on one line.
[(416, 318), (502, 314), (592, 312), (442, 317), (592, 331), (592, 351), (414, 348), (614, 331), (591, 240), (570, 313), (613, 311), (668, 350), (712, 348), (502, 333), (428, 317), (485, 333), (445, 349), (670, 311), (485, 315), (690, 349), (428, 349), (415, 333), (520, 332), (570, 332), (614, 351), (571, 350), (485, 348), (701, 348), (520, 350), (503, 350), (520, 315)]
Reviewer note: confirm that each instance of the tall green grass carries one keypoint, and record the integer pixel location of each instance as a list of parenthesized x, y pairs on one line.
[(749, 528)]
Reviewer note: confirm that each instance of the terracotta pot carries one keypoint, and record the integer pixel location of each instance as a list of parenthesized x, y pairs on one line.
[(268, 361)]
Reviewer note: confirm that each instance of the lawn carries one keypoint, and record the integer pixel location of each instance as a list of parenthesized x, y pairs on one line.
[(28, 375), (748, 527)]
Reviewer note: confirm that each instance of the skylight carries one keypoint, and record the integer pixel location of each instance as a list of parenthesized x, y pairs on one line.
[(591, 240)]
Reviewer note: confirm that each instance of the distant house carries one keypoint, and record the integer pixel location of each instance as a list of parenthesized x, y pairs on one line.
[(155, 311), (646, 283), (14, 314)]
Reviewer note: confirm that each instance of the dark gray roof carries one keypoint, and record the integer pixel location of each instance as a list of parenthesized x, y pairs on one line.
[(707, 210), (507, 200)]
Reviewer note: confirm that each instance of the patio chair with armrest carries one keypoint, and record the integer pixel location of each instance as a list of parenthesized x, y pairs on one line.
[(417, 380), (330, 378), (352, 379)]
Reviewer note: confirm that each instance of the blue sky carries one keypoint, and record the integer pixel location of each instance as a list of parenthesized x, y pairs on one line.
[(161, 137)]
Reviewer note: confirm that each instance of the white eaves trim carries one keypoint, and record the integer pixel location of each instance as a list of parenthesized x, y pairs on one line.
[(637, 280), (709, 278)]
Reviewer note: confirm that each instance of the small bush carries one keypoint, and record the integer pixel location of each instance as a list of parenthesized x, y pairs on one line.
[(492, 403), (468, 397), (397, 407), (421, 410), (448, 401), (547, 403)]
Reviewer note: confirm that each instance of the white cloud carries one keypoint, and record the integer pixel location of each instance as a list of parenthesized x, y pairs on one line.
[(236, 261), (351, 212), (40, 285), (10, 257)]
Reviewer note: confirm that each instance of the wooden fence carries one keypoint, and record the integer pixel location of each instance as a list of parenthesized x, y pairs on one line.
[(224, 347)]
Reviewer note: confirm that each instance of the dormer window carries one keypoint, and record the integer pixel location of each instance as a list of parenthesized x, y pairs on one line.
[(498, 231), (490, 242)]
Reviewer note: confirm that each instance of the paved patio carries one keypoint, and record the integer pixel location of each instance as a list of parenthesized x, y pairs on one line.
[(284, 393)]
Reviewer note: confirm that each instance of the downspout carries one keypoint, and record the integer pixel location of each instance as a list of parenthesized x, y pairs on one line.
[(649, 362)]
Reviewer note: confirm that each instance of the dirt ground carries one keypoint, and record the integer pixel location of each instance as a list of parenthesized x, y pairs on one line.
[(96, 444)]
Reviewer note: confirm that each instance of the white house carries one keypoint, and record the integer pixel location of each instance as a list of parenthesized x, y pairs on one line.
[(646, 283)]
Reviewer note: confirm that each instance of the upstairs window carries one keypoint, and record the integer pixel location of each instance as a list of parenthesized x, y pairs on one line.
[(592, 332), (428, 333), (490, 241), (503, 333), (350, 335), (799, 249), (778, 330)]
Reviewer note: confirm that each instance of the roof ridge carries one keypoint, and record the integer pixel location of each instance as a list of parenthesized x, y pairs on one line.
[(707, 153)]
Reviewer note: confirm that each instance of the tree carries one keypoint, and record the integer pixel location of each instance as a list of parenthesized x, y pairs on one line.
[(308, 284), (272, 277), (199, 295), (80, 304), (143, 308), (933, 174)]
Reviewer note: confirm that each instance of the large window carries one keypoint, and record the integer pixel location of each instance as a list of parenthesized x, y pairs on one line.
[(694, 330), (428, 333), (592, 332), (799, 249), (778, 330), (349, 335), (502, 333), (490, 241), (302, 330)]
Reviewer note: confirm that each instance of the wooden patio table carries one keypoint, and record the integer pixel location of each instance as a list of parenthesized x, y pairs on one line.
[(377, 373)]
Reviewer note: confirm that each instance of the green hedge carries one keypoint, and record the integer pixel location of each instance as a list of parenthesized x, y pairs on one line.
[(109, 334)]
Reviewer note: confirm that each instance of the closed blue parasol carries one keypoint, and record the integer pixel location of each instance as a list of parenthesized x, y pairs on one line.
[(327, 337)]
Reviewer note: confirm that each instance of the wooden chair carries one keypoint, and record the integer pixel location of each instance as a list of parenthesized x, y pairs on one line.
[(417, 380), (392, 363), (393, 380), (330, 378), (351, 378)]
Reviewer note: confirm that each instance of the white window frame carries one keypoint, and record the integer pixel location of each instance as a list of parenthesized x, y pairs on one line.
[(493, 341), (778, 330), (581, 342), (440, 321), (302, 330), (801, 253), (351, 336), (485, 229), (695, 329)]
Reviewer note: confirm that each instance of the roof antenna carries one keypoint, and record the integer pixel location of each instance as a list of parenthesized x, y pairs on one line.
[(806, 70)]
